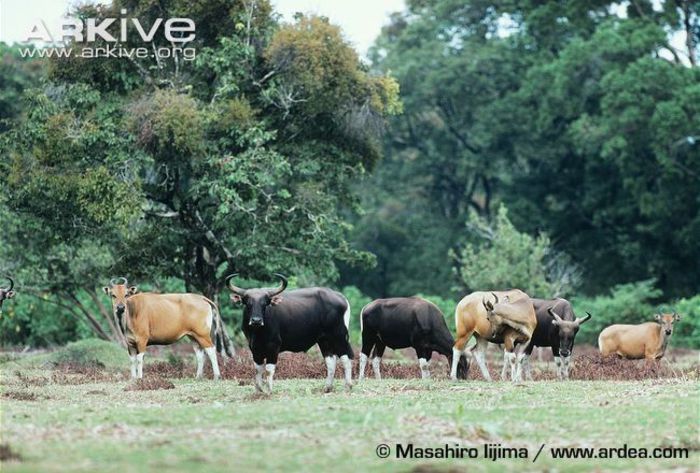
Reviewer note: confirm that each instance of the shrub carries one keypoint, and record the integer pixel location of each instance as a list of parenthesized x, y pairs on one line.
[(687, 332), (91, 352), (498, 256), (626, 304)]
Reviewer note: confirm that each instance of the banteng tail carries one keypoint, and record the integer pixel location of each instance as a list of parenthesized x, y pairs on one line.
[(223, 342)]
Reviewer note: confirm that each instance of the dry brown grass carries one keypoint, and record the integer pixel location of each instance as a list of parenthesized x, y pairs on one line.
[(7, 454), (149, 383)]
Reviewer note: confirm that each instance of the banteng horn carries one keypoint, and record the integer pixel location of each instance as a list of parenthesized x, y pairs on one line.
[(280, 289), (117, 281), (12, 284), (234, 289), (554, 314), (582, 320)]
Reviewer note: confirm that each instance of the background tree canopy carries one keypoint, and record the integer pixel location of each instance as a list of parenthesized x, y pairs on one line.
[(547, 145), (580, 117)]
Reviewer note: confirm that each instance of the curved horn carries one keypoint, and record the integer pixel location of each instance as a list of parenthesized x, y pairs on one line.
[(495, 297), (554, 314), (282, 287), (12, 284), (116, 281), (580, 321), (487, 304), (234, 289)]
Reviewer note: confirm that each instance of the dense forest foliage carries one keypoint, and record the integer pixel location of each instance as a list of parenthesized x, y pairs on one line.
[(551, 146)]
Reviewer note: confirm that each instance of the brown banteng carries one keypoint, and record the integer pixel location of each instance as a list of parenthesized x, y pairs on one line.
[(520, 317), (471, 319), (161, 319), (7, 292), (403, 322), (634, 342)]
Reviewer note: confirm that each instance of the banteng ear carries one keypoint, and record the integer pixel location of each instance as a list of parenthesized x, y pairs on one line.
[(10, 295), (676, 317), (657, 317), (276, 299), (106, 290), (133, 290), (236, 299)]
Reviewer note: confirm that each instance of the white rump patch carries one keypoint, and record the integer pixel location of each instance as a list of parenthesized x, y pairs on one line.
[(346, 315)]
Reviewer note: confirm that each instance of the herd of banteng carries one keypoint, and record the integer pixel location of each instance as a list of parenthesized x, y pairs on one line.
[(275, 320)]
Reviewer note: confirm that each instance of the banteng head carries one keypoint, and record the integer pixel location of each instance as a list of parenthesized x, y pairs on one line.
[(493, 309), (567, 330), (256, 301), (119, 291), (666, 321), (7, 292)]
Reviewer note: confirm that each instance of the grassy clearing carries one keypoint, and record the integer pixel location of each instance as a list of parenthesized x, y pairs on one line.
[(74, 423)]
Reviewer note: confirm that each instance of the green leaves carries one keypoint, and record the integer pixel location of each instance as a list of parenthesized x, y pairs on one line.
[(498, 256)]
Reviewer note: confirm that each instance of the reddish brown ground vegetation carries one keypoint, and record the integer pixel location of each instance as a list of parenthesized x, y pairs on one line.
[(7, 454), (149, 383)]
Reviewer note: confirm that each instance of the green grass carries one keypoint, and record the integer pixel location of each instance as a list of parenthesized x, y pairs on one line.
[(209, 426)]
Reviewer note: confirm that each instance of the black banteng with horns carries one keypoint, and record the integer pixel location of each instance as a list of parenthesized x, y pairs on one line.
[(275, 321), (7, 292)]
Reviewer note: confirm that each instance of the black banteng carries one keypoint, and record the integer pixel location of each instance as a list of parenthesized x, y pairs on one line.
[(405, 322), (557, 326), (7, 292), (294, 321)]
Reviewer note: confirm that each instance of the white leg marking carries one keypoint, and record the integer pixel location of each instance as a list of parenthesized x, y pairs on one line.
[(258, 377), (133, 366), (557, 361), (199, 355), (504, 371), (363, 366), (527, 368), (481, 361), (565, 366), (376, 362), (270, 368), (519, 360), (455, 361), (347, 367), (211, 353), (139, 365), (424, 368), (514, 373), (346, 315), (330, 366)]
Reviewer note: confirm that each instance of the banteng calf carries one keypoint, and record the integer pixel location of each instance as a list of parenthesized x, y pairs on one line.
[(404, 322), (634, 342)]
